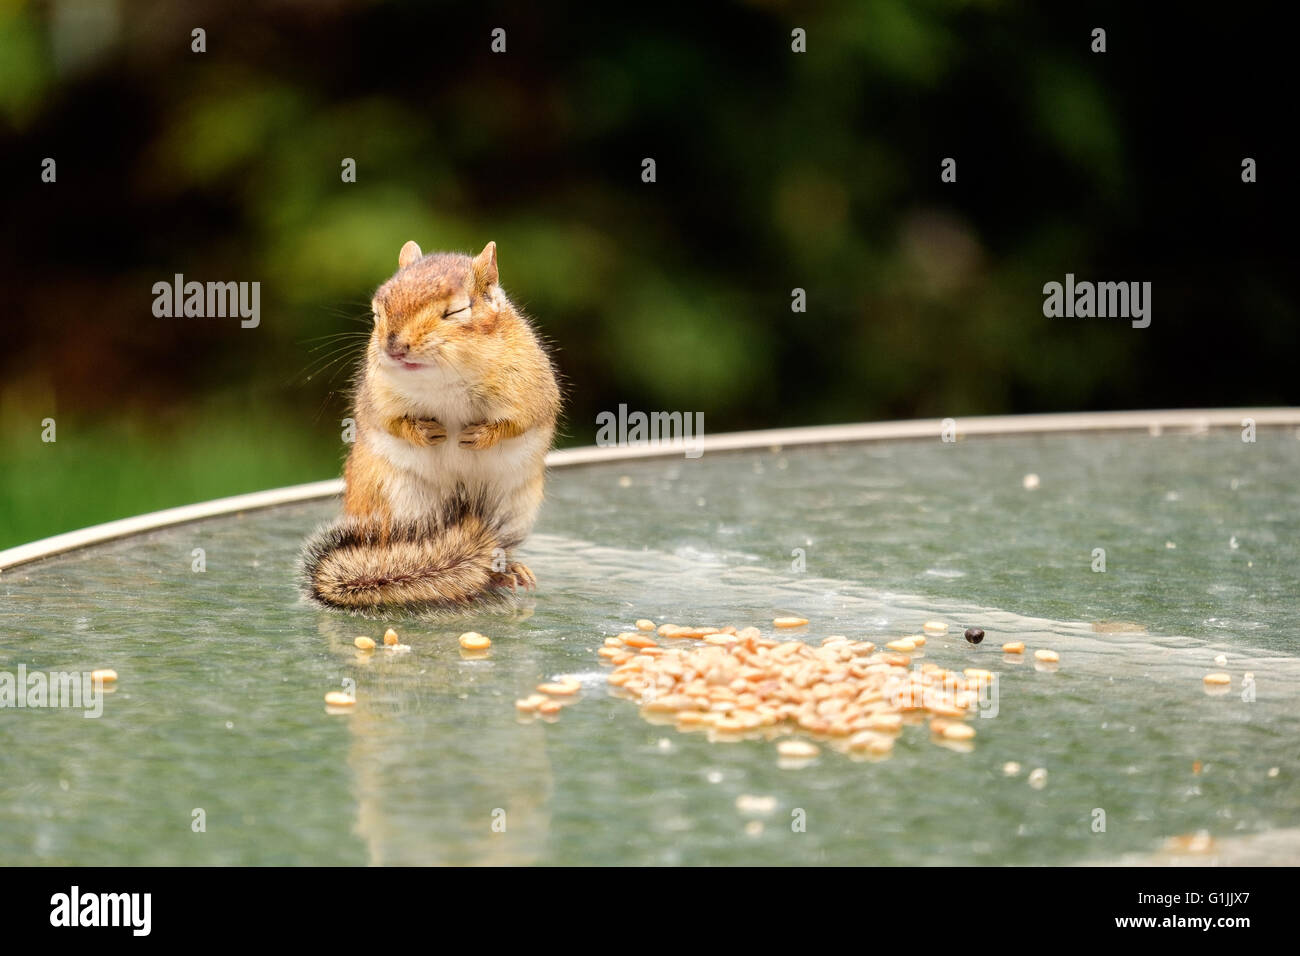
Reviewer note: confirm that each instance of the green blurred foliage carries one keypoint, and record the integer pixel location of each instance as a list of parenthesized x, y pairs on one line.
[(775, 170)]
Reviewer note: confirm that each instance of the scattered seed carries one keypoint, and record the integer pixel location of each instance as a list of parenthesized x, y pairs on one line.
[(1013, 647), (1030, 481), (1218, 678), (1046, 656), (336, 698), (935, 627), (645, 625), (755, 806), (1010, 768), (391, 638), (105, 676), (797, 748), (974, 635), (869, 741), (1038, 778), (1221, 659), (1199, 842), (561, 688), (549, 707), (365, 643), (1273, 771), (736, 682), (473, 641), (883, 721)]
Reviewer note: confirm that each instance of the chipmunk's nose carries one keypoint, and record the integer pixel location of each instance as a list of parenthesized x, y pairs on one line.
[(397, 349)]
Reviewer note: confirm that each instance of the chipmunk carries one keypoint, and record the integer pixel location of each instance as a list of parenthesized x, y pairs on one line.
[(455, 409)]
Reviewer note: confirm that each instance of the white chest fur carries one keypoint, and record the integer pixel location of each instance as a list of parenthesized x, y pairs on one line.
[(424, 477)]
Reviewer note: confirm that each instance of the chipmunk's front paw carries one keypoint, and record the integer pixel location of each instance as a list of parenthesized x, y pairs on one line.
[(478, 437), (514, 577), (430, 431)]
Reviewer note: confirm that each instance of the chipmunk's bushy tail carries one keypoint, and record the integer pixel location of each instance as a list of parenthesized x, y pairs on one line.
[(360, 566)]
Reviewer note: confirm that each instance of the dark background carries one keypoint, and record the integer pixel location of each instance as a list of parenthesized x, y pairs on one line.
[(775, 170)]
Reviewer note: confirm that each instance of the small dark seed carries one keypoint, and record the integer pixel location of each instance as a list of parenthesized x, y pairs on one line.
[(974, 635)]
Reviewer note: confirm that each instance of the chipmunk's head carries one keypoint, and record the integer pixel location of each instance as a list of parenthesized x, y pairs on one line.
[(439, 313)]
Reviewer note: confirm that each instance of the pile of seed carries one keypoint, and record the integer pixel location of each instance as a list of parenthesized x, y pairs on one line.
[(737, 681)]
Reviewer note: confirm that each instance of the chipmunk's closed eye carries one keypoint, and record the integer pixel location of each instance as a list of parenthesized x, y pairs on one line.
[(458, 312)]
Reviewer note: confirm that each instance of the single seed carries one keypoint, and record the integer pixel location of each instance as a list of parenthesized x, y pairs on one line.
[(365, 643), (336, 698), (885, 721), (1218, 678), (391, 638), (637, 640), (1221, 659), (917, 639), (549, 707), (901, 645), (560, 688), (974, 635), (755, 806), (958, 732), (934, 627), (473, 641), (789, 621), (797, 748), (1046, 656), (645, 625), (1038, 778), (105, 676), (1013, 647), (1010, 768)]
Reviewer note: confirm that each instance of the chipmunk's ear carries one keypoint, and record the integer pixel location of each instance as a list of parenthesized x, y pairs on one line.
[(410, 252), (485, 266)]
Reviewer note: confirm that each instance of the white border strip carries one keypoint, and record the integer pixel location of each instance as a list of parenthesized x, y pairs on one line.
[(1149, 421)]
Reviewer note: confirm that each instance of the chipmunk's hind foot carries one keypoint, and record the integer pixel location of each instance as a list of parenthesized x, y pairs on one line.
[(514, 577)]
